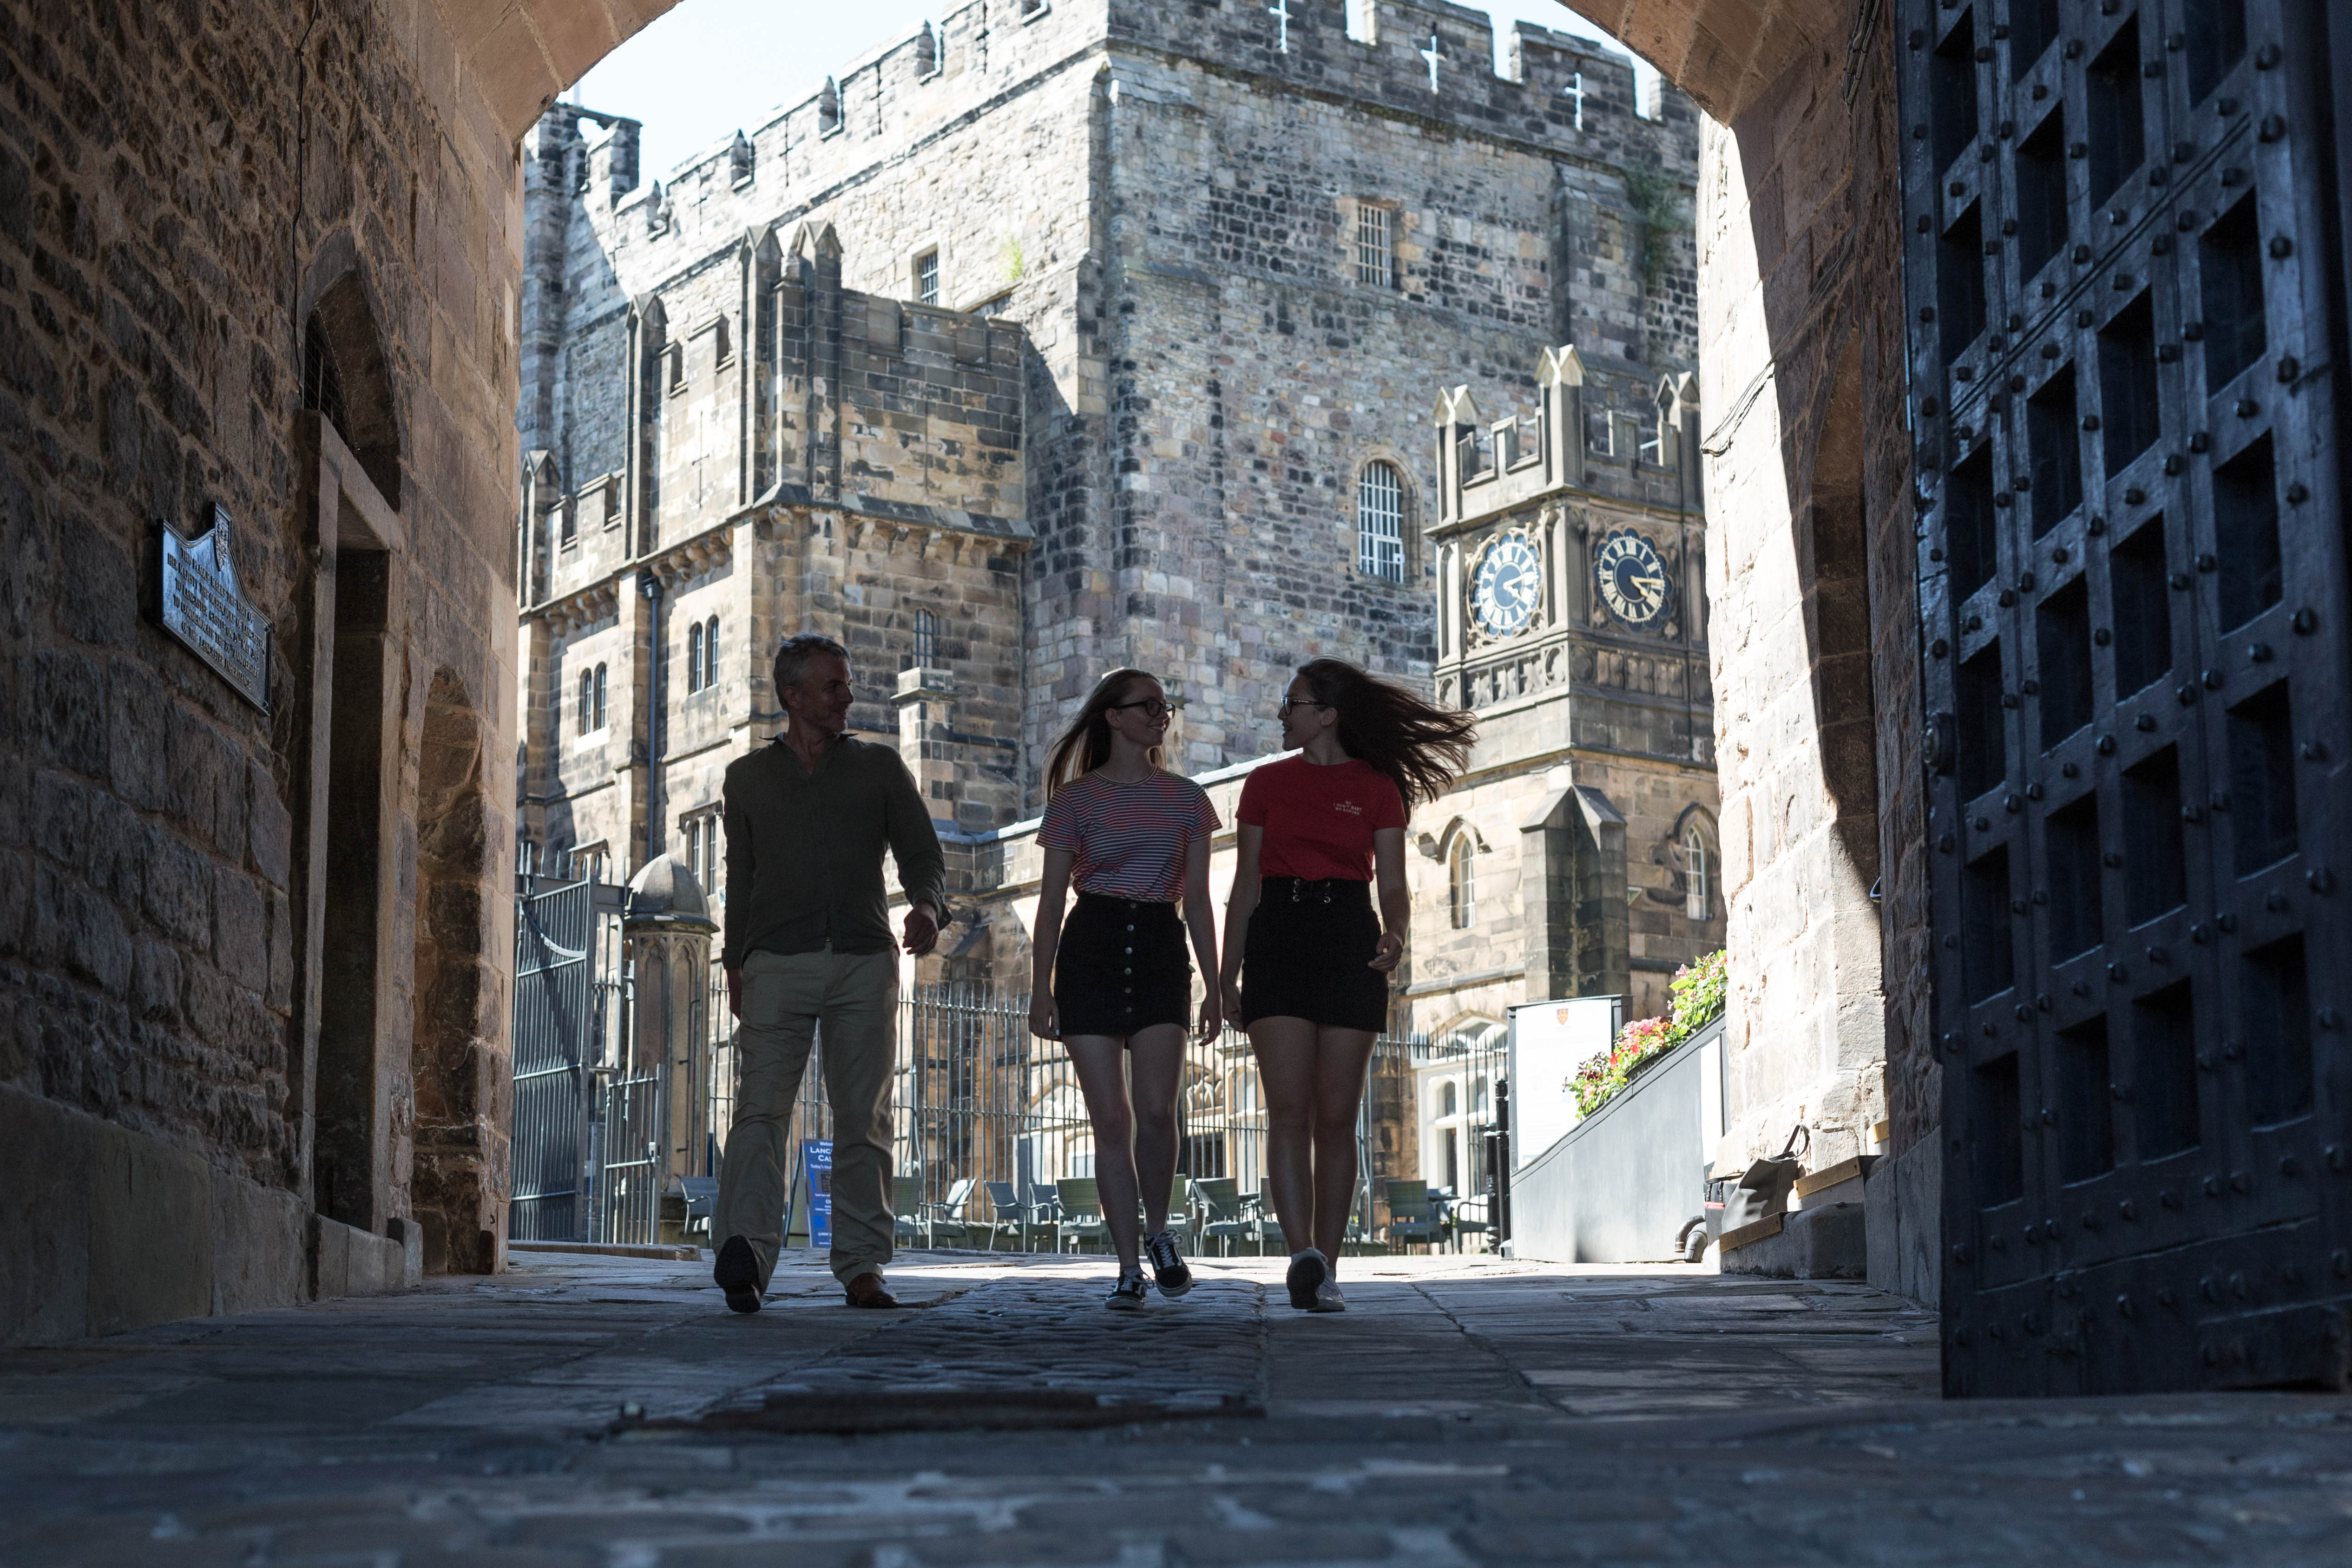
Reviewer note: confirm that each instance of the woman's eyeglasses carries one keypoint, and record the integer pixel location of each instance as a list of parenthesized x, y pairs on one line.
[(1152, 707), (1287, 704)]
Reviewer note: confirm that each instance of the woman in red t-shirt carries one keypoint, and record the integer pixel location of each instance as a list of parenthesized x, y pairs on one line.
[(1112, 982), (1306, 960)]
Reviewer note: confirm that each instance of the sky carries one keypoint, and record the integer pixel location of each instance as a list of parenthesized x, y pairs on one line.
[(711, 67)]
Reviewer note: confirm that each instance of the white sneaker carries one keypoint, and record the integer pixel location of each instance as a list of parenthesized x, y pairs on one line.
[(1328, 1297)]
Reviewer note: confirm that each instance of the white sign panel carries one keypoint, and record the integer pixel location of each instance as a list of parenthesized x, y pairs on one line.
[(1547, 1040)]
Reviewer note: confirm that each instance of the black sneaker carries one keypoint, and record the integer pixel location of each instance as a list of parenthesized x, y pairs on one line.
[(1167, 1264), (1308, 1271), (738, 1273), (1129, 1294)]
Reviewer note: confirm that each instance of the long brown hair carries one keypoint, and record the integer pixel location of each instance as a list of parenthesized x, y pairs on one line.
[(1085, 745), (1421, 747)]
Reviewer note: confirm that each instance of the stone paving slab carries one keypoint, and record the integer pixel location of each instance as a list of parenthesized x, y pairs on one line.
[(1464, 1411)]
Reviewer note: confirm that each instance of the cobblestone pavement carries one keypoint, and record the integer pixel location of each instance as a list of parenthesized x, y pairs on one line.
[(609, 1412)]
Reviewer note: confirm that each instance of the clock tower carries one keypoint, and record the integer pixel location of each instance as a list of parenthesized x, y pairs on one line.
[(1580, 855)]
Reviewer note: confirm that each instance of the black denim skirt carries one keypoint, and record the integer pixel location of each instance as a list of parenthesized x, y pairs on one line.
[(1309, 956), (1121, 967)]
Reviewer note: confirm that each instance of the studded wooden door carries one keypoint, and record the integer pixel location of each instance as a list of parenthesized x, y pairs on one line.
[(2125, 293)]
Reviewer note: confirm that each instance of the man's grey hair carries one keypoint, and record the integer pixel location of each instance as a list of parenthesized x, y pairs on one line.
[(793, 659)]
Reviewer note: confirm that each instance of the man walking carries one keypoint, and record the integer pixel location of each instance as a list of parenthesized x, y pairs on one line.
[(808, 942)]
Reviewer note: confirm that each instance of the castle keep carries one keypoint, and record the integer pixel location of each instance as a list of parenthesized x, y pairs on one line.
[(1059, 336)]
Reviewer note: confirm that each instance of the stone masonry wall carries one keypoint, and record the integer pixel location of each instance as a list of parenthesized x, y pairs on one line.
[(178, 185), (1818, 697), (1165, 199)]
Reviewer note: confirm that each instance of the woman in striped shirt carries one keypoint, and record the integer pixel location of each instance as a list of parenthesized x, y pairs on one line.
[(1112, 982)]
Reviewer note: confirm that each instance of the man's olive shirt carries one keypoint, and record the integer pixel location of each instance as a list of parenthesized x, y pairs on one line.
[(805, 851)]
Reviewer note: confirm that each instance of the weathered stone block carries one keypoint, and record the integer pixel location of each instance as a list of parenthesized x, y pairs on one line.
[(258, 1259), (151, 1232), (46, 1191), (178, 894), (240, 929)]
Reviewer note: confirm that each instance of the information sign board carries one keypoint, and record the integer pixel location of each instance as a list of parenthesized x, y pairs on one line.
[(205, 609)]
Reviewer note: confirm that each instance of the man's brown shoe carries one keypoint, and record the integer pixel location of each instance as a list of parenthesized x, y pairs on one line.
[(867, 1290)]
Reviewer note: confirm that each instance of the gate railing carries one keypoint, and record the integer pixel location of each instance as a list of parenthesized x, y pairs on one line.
[(600, 1138), (978, 1098)]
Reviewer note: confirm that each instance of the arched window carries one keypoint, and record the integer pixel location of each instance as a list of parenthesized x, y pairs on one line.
[(710, 651), (1449, 1099), (693, 656), (600, 698), (1463, 880), (1380, 522), (587, 707), (1698, 876)]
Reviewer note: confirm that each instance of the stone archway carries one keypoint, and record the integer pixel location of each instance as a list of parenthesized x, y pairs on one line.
[(1801, 336)]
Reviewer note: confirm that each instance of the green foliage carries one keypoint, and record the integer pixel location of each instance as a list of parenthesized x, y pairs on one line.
[(1017, 263), (1657, 201), (1698, 991)]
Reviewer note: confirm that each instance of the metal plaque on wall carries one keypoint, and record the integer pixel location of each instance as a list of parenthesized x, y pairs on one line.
[(205, 608)]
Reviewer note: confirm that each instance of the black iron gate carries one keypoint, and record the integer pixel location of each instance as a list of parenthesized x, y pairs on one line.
[(2125, 289)]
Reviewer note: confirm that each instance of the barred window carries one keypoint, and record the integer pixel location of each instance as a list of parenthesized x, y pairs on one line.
[(1465, 880), (1380, 522), (1375, 249), (710, 651), (586, 709), (926, 278), (694, 657), (927, 640), (600, 699)]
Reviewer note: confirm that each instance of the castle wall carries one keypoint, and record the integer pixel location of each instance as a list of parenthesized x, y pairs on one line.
[(1165, 199), (194, 1116)]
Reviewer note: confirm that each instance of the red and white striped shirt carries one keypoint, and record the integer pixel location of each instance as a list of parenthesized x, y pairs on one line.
[(1129, 839)]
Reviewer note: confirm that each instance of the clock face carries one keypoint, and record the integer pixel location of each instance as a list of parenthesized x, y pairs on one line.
[(1509, 576), (1630, 577)]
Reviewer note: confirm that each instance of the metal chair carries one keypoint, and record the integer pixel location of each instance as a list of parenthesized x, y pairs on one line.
[(1265, 1223), (1010, 1215), (1178, 1216), (1464, 1216), (701, 1202), (1082, 1221), (1220, 1201), (1410, 1217), (946, 1220), (907, 1209)]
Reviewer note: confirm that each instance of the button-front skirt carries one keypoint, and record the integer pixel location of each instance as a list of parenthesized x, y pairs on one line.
[(1121, 967)]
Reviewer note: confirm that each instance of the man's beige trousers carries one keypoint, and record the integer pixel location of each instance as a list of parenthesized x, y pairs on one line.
[(855, 996)]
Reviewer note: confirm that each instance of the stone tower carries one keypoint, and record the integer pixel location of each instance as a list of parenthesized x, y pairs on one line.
[(1239, 243)]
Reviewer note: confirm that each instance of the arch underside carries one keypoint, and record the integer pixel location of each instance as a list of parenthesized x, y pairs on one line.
[(1723, 53)]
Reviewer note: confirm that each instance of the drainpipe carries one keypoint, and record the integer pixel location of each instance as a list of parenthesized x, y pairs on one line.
[(657, 727)]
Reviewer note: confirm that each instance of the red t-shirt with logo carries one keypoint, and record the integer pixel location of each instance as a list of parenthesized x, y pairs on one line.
[(1319, 820)]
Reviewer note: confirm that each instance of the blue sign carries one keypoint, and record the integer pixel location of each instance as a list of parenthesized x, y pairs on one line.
[(816, 1165)]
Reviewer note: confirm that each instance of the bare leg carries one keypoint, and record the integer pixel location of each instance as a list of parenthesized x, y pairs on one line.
[(1285, 1047), (1156, 1069), (1341, 1057), (1101, 1063)]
